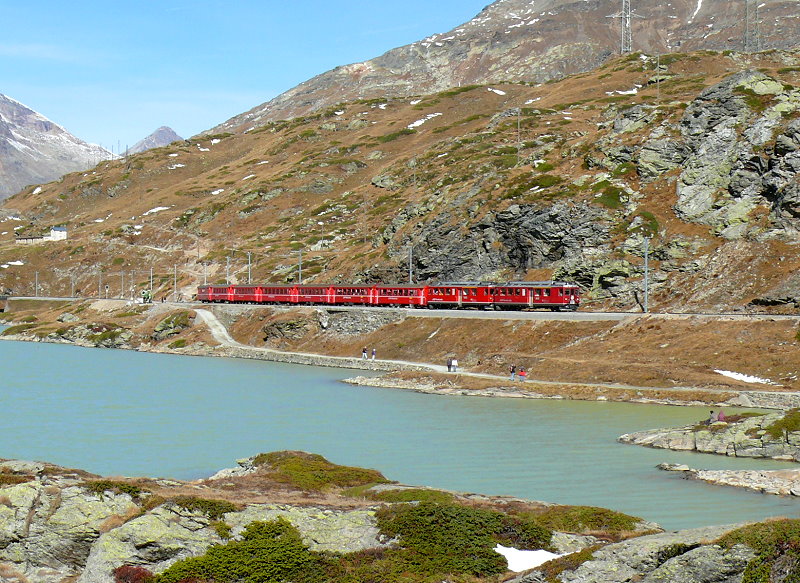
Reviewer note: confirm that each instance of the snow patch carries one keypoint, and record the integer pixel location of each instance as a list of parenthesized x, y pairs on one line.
[(176, 166), (415, 101), (262, 162), (744, 377), (155, 210), (249, 176), (202, 149), (419, 122), (497, 91), (519, 561), (173, 155), (696, 10), (215, 141), (532, 100), (218, 191), (18, 262), (37, 190)]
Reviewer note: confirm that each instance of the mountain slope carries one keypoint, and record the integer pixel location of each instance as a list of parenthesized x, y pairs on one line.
[(34, 150), (500, 182), (533, 42)]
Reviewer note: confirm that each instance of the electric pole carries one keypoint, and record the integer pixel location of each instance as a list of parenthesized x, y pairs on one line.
[(646, 273), (626, 36)]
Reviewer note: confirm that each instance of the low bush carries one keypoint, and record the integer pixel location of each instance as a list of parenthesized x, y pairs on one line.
[(312, 472), (101, 486), (214, 509), (444, 538), (778, 546), (787, 424), (268, 552), (580, 519), (18, 329)]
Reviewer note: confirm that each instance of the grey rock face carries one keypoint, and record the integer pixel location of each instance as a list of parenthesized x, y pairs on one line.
[(657, 557), (706, 564), (747, 438)]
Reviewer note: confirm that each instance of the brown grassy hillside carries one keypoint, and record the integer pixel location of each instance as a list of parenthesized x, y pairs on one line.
[(353, 187)]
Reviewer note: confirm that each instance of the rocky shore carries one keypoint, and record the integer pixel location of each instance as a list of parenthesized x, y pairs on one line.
[(779, 482), (59, 524), (760, 436)]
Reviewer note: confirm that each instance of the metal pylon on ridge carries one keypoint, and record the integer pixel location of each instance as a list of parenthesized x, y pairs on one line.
[(625, 16), (752, 32)]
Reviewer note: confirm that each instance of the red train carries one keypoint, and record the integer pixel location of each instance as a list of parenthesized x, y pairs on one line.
[(516, 295)]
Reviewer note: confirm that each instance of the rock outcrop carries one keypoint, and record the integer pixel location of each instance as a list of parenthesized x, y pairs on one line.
[(748, 437)]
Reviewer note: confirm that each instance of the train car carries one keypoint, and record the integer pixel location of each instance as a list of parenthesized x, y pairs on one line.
[(538, 294), (460, 295), (401, 295)]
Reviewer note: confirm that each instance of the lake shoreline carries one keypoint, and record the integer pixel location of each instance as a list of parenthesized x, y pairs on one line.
[(434, 379)]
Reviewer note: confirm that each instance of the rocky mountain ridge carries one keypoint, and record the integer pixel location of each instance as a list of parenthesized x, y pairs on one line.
[(534, 42), (34, 150)]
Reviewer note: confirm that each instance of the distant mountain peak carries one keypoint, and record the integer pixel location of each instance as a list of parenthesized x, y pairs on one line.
[(161, 137), (35, 150)]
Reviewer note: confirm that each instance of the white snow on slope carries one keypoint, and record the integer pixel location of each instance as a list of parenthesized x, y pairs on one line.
[(743, 377), (419, 122), (696, 10), (155, 210), (523, 560), (497, 91)]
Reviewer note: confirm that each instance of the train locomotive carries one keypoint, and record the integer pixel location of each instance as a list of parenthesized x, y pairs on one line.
[(518, 295)]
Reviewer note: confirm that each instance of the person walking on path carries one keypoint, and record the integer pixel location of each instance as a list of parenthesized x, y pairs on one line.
[(513, 372), (449, 365), (455, 365), (364, 353), (522, 374), (373, 354)]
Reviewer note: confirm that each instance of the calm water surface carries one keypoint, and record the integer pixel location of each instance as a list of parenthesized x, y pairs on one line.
[(117, 412)]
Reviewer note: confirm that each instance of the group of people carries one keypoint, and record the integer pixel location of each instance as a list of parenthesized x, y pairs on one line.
[(364, 353), (521, 373), (714, 417), (452, 365)]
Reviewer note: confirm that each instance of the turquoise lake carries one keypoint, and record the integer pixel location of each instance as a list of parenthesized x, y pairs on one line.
[(116, 412)]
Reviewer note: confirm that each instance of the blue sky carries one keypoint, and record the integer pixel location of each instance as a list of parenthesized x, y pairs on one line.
[(112, 72)]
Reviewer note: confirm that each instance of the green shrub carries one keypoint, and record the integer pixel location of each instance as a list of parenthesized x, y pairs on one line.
[(101, 486), (782, 427), (179, 343), (214, 509), (394, 135), (222, 528), (444, 538), (30, 319), (778, 546), (552, 569), (413, 495), (312, 472), (269, 552), (611, 197), (586, 519), (18, 329)]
